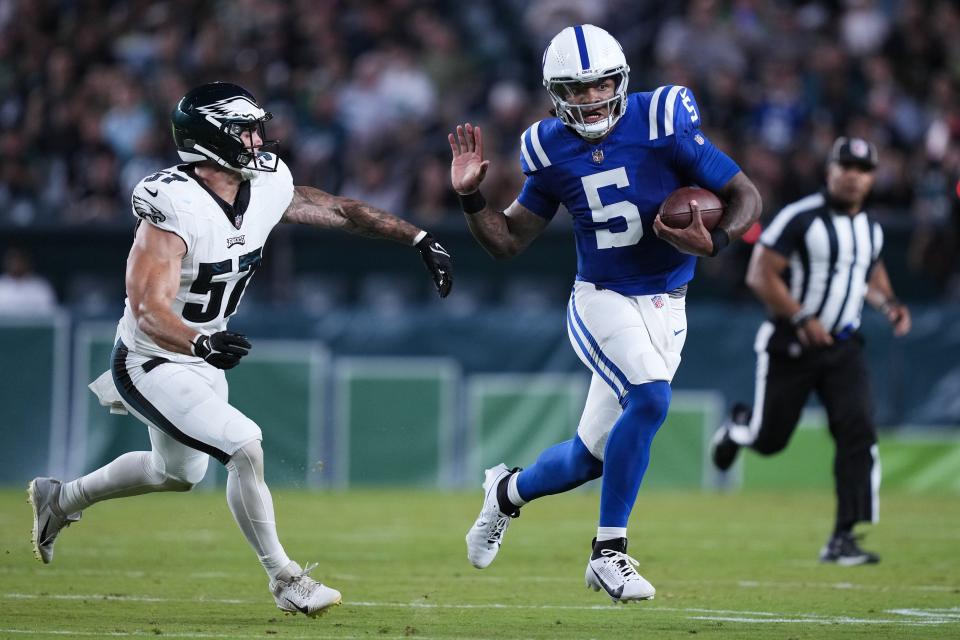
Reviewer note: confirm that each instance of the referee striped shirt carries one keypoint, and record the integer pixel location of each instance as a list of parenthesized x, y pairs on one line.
[(831, 256)]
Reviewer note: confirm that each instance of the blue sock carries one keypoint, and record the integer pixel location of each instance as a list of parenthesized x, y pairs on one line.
[(627, 452), (559, 468)]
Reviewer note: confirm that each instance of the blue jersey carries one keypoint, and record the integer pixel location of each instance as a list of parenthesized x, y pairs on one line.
[(613, 188)]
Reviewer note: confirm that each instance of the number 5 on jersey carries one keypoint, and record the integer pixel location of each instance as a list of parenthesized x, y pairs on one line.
[(607, 239), (206, 284)]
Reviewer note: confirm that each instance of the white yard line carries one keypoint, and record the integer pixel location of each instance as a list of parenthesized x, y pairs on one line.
[(743, 584), (749, 584), (910, 617), (952, 613), (830, 621)]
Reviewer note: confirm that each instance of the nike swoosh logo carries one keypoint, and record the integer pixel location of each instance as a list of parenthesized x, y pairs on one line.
[(676, 333), (153, 193), (301, 609), (440, 250), (42, 538), (616, 593)]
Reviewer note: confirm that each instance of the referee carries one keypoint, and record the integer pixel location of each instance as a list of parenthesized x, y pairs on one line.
[(814, 266)]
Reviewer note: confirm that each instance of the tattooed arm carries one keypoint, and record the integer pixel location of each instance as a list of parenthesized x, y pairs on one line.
[(321, 209), (326, 211), (505, 234)]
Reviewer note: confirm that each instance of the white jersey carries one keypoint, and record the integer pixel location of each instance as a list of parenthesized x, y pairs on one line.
[(224, 245)]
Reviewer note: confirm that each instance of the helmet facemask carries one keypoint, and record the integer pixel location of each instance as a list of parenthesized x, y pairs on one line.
[(234, 153), (253, 158), (572, 114)]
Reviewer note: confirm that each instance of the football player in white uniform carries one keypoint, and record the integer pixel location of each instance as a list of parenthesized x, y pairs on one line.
[(199, 239)]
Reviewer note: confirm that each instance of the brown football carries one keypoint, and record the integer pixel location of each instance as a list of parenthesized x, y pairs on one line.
[(675, 209)]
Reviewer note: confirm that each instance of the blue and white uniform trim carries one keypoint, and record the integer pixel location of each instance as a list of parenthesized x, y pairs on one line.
[(592, 353), (582, 46), (531, 140), (664, 123)]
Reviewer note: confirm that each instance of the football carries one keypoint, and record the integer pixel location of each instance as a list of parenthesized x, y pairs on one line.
[(675, 209)]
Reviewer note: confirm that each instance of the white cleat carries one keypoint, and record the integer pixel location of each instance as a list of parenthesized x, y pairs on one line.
[(615, 572), (302, 594), (48, 520), (486, 534)]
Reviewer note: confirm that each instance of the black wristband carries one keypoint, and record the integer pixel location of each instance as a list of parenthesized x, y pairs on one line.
[(720, 240), (472, 202)]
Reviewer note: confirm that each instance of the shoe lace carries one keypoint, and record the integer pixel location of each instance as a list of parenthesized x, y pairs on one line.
[(498, 528), (302, 583), (626, 565)]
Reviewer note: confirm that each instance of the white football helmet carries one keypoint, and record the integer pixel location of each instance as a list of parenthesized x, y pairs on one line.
[(583, 54)]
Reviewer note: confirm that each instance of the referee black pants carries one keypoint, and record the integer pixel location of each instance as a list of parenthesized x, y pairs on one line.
[(839, 376)]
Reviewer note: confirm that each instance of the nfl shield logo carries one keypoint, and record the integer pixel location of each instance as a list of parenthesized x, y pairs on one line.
[(598, 155), (657, 302)]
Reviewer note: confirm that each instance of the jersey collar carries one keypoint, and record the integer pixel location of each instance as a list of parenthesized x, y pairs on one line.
[(235, 211)]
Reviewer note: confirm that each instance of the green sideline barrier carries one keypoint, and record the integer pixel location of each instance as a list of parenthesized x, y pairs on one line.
[(911, 460), (33, 414), (513, 417), (280, 387), (96, 435), (394, 420), (921, 464), (679, 457)]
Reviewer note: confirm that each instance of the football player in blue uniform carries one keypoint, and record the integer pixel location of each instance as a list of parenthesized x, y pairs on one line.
[(610, 158)]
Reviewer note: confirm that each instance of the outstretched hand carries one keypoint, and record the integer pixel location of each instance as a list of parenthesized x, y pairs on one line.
[(468, 167), (694, 239)]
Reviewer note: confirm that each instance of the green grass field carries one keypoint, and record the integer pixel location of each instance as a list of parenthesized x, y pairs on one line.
[(726, 566)]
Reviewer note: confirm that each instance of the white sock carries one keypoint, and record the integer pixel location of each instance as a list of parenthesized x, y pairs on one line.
[(610, 533), (131, 474), (512, 494), (252, 507)]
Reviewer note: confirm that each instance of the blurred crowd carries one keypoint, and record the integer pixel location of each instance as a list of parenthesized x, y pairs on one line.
[(364, 91)]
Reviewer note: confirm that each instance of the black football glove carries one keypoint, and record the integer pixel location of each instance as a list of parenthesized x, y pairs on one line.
[(438, 264), (223, 349)]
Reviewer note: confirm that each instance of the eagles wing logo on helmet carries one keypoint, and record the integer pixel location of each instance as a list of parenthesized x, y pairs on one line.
[(233, 108), (146, 210)]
